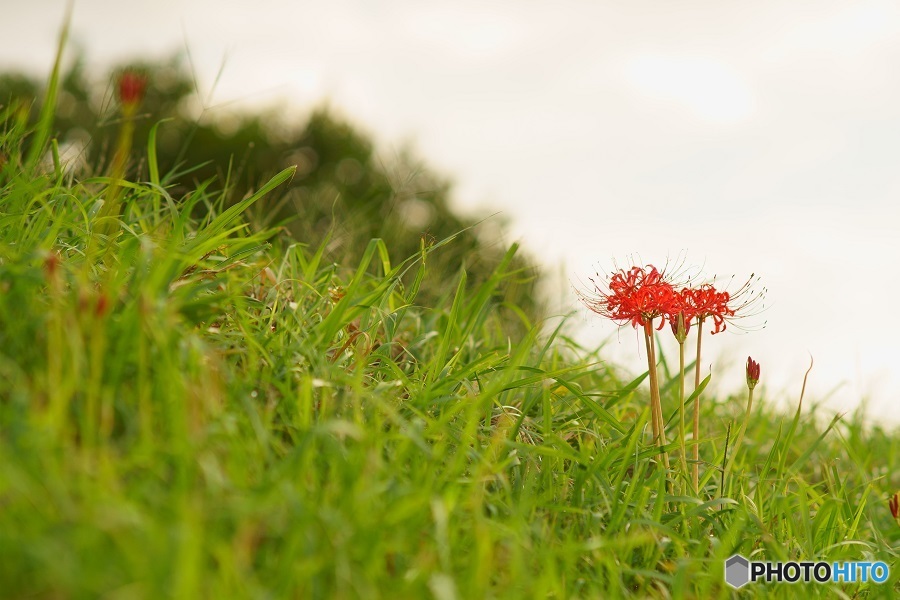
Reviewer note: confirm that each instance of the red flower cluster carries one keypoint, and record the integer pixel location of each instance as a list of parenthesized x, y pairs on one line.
[(639, 295), (704, 302)]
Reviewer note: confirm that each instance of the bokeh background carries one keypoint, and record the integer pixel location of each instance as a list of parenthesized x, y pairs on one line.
[(748, 138)]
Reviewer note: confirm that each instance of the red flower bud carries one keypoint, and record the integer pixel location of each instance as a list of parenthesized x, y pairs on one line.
[(131, 88), (752, 373), (102, 306), (894, 504), (681, 325), (51, 264)]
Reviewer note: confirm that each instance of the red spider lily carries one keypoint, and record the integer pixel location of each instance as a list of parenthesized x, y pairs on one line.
[(131, 88), (636, 296), (752, 373), (705, 302)]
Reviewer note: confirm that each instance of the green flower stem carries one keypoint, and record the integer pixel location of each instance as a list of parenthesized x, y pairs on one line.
[(681, 427), (655, 404), (108, 216), (740, 439), (696, 449)]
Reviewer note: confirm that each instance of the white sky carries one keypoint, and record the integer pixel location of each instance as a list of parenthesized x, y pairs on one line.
[(759, 137)]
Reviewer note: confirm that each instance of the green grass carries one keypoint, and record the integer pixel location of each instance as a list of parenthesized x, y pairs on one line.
[(194, 409)]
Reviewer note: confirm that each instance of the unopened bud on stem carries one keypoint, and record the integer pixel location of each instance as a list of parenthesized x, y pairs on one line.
[(752, 373), (680, 327), (131, 90)]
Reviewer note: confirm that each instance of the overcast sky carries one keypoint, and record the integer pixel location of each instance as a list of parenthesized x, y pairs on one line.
[(758, 137)]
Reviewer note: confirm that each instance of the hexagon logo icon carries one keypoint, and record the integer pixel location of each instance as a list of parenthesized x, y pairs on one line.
[(737, 571)]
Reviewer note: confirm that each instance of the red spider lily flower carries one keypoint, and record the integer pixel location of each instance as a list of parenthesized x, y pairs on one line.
[(131, 88), (724, 306), (636, 296), (752, 373), (894, 504), (705, 302)]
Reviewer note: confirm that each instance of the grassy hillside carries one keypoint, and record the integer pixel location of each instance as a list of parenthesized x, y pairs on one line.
[(191, 408)]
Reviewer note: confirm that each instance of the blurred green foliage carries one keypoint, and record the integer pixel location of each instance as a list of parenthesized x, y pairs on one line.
[(344, 190)]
